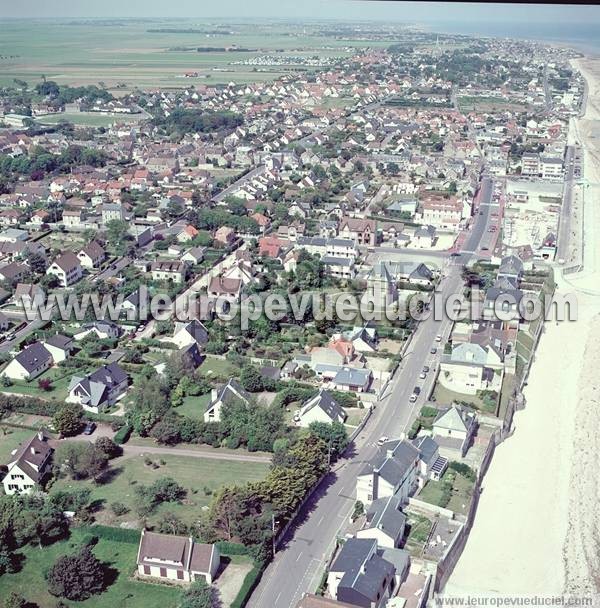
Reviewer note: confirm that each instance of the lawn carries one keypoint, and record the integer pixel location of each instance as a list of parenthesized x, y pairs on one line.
[(89, 119), (419, 529), (120, 556), (199, 476), (60, 378), (218, 367), (444, 396), (194, 407), (453, 491)]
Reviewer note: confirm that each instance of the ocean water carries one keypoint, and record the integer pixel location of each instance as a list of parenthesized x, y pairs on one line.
[(583, 36)]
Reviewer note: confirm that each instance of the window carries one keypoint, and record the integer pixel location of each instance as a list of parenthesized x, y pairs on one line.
[(180, 574), (146, 569), (163, 572)]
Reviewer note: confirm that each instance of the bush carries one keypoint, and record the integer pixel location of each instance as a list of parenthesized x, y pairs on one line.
[(122, 435), (119, 535), (228, 548), (118, 508)]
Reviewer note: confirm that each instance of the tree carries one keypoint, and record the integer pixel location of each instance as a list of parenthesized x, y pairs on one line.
[(16, 600), (334, 435), (169, 523), (76, 577), (45, 384), (67, 419), (116, 231), (251, 379), (198, 595), (36, 262), (82, 460), (108, 447)]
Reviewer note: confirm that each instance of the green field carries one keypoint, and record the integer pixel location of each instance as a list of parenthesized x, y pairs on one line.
[(89, 119), (125, 55), (119, 556), (193, 407), (199, 476)]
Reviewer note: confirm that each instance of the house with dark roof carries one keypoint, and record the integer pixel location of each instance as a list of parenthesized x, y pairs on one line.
[(32, 361), (453, 430), (66, 268), (59, 347), (359, 576), (353, 379), (230, 392), (176, 558), (29, 463), (100, 389), (192, 332), (393, 471), (92, 255), (385, 522), (320, 408)]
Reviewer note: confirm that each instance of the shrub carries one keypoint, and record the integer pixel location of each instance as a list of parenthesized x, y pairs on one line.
[(118, 508), (122, 435)]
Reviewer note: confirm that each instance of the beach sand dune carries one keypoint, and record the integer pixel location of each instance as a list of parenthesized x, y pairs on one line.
[(537, 529)]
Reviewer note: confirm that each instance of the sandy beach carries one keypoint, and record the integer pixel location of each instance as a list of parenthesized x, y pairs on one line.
[(537, 526)]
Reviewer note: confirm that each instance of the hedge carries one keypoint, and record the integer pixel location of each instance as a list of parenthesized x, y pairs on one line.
[(119, 535), (228, 548), (27, 405), (250, 581), (122, 435)]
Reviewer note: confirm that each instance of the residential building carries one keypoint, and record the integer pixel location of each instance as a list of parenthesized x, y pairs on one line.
[(192, 332), (230, 392), (59, 347), (320, 408), (385, 522), (176, 558), (100, 389), (28, 465), (32, 361), (166, 270), (361, 231), (66, 268), (92, 255), (453, 430)]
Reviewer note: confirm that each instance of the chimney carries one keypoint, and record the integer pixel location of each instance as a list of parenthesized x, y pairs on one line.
[(40, 435)]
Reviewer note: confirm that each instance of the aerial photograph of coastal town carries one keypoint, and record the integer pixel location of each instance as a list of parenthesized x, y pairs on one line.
[(299, 304)]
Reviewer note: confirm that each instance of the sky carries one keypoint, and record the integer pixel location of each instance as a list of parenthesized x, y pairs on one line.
[(406, 12)]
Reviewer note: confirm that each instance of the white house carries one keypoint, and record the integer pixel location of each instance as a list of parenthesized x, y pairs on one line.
[(92, 255), (32, 361), (186, 334), (100, 389), (177, 558), (385, 522), (28, 465), (66, 268), (59, 347), (232, 391), (320, 408), (453, 429)]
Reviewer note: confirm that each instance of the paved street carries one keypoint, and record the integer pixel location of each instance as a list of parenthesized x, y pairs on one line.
[(300, 562)]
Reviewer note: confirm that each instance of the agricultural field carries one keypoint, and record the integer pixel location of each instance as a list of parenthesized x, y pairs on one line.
[(89, 119), (126, 54)]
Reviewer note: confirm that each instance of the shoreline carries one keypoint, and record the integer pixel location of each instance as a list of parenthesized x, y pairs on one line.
[(535, 531)]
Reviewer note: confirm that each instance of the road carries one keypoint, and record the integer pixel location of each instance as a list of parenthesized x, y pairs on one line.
[(564, 227), (300, 563)]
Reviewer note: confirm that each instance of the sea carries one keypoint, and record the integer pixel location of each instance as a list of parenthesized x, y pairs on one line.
[(582, 36)]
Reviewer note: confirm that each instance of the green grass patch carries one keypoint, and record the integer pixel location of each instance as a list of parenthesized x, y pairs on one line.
[(201, 477), (419, 528), (10, 438), (453, 491), (194, 407), (118, 554)]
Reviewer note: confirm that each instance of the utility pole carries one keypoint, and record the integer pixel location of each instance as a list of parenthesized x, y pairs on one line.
[(273, 535)]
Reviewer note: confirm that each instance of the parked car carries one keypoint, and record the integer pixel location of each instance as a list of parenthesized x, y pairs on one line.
[(415, 394), (433, 350), (90, 427)]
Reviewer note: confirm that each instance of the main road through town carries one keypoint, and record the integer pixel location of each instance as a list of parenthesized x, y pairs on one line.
[(300, 562)]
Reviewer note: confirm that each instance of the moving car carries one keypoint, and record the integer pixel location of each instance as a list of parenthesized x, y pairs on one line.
[(383, 439), (415, 394)]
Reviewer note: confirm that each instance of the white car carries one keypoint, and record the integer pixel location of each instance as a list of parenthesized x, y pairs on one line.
[(438, 338), (382, 440)]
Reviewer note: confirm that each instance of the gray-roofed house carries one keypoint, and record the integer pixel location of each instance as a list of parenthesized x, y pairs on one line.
[(59, 347), (453, 429), (100, 389), (320, 408), (393, 471), (176, 558), (28, 465), (385, 522), (353, 379), (193, 332), (432, 465), (32, 361), (360, 576), (229, 393)]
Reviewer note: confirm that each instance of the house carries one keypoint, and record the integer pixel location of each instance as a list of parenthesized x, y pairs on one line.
[(225, 236), (32, 361), (431, 464), (28, 465), (229, 289), (72, 217), (176, 558), (66, 268), (195, 255), (361, 231), (165, 270), (193, 332), (27, 293), (317, 601), (13, 272), (393, 471), (187, 233), (364, 339), (59, 347), (320, 408), (424, 237), (230, 392), (353, 379), (191, 356), (92, 255), (104, 330), (471, 367), (100, 389), (385, 522), (453, 429), (360, 576)]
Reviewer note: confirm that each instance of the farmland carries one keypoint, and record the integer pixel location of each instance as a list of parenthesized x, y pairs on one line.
[(124, 55)]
